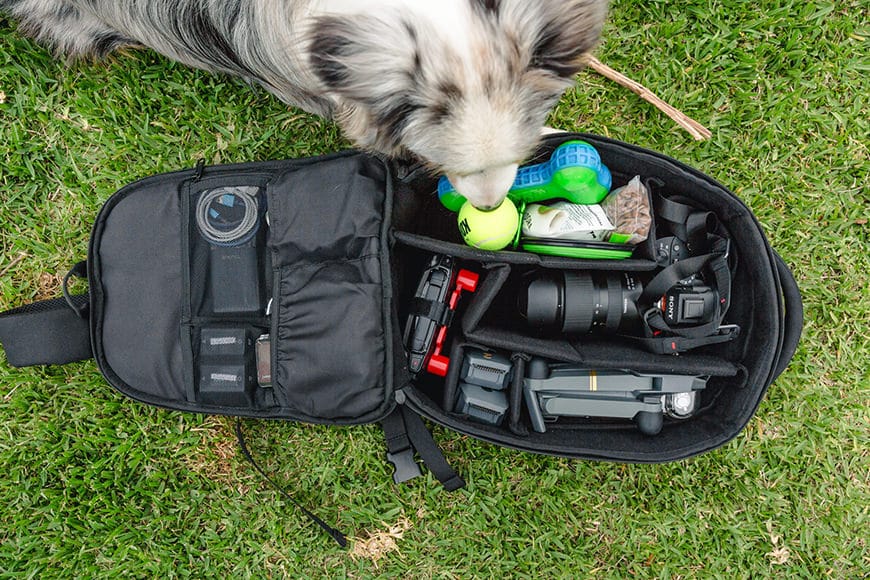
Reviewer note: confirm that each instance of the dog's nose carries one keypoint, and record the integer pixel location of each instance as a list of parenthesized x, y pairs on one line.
[(488, 207), (486, 189)]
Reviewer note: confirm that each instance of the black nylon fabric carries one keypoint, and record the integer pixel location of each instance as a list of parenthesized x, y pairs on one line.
[(330, 345), (136, 289), (332, 320), (741, 370), (337, 287)]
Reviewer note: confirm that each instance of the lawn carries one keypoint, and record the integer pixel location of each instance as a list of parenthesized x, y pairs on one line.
[(94, 484)]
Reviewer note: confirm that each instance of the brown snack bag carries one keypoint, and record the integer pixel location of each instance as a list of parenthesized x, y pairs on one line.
[(628, 209)]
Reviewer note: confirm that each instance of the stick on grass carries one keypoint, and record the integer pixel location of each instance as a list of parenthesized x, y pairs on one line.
[(698, 131)]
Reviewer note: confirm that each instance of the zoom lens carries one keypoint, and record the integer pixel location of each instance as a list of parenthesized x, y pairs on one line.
[(579, 302)]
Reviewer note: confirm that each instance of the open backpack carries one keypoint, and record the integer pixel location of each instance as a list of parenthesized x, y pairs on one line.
[(350, 298)]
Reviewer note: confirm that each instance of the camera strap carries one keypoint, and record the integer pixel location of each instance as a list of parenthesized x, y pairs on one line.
[(685, 221), (709, 249)]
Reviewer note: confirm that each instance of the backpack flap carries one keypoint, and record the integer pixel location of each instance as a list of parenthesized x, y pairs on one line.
[(258, 290)]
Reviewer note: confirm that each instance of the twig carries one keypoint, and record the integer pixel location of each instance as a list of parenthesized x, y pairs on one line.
[(13, 263), (698, 131)]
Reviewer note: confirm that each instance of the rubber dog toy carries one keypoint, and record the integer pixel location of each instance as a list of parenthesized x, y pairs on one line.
[(574, 173)]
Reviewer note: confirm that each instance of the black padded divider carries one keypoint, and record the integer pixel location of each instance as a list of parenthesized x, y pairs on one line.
[(451, 381), (515, 396), (493, 280), (465, 252)]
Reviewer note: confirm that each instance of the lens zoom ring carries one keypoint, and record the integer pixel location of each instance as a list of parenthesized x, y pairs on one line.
[(580, 297)]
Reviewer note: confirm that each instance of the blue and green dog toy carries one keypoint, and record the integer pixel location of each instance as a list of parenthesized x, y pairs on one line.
[(574, 173)]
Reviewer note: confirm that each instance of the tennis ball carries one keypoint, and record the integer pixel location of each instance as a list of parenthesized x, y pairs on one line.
[(489, 230)]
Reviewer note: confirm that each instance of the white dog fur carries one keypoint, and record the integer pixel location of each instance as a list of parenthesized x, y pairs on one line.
[(464, 85)]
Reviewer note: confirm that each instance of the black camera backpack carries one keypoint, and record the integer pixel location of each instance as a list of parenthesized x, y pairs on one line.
[(336, 265)]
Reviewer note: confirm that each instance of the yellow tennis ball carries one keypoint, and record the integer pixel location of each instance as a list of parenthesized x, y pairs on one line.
[(489, 230)]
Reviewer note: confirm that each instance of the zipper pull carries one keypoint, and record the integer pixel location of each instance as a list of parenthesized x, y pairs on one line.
[(199, 168)]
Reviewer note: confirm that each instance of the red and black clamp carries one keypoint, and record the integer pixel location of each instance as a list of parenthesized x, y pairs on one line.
[(432, 311)]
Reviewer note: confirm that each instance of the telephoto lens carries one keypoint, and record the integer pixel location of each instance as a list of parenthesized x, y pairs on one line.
[(580, 302)]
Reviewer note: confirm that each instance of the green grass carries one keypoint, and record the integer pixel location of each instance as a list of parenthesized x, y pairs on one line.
[(93, 484)]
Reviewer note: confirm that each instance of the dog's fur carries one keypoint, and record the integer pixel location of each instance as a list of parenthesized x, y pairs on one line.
[(465, 85)]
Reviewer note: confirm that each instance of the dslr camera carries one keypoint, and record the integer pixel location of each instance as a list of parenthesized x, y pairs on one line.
[(577, 302)]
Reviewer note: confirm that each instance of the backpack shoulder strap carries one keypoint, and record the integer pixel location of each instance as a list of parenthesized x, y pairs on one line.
[(49, 332), (405, 433)]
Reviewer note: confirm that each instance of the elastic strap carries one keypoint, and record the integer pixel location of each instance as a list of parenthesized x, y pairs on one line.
[(432, 309), (340, 539)]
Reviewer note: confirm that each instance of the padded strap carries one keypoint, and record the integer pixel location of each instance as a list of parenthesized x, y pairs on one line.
[(47, 333), (515, 423)]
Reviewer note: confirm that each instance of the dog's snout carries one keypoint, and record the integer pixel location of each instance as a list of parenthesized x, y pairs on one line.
[(486, 189)]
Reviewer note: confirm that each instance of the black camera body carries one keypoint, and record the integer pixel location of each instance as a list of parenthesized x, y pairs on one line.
[(670, 250), (689, 304)]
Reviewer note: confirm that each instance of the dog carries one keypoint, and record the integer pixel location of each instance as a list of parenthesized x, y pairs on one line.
[(463, 85)]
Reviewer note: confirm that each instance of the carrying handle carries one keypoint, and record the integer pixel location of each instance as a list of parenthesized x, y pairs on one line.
[(794, 314)]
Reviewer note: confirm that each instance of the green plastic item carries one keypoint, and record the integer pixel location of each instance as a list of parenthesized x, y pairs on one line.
[(574, 173), (586, 251)]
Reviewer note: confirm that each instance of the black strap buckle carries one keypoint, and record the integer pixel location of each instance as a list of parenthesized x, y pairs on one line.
[(405, 468)]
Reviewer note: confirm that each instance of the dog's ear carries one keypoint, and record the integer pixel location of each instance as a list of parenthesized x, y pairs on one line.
[(364, 59), (563, 33), (371, 66)]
